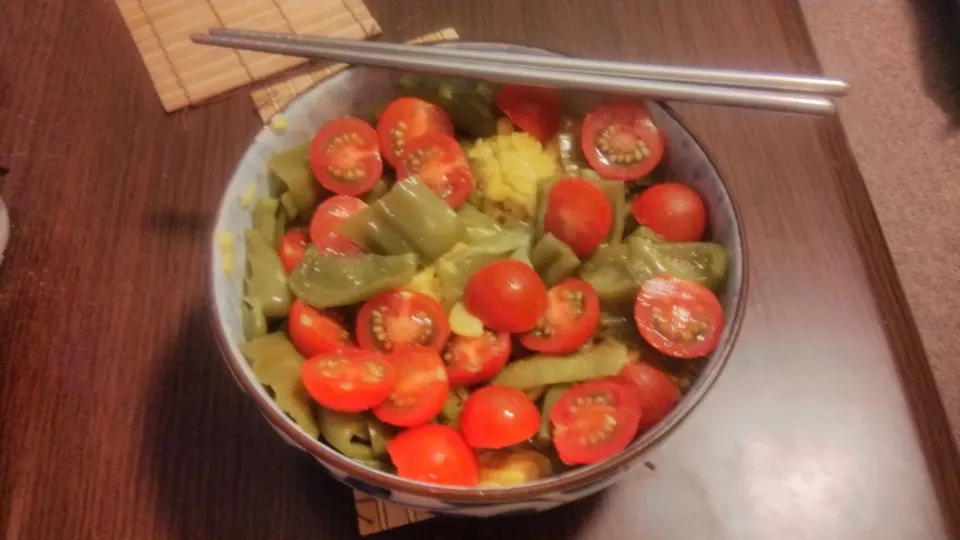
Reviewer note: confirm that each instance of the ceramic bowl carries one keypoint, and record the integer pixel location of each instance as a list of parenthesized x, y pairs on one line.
[(360, 89)]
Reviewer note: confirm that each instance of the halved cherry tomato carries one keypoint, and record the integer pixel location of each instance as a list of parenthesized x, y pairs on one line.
[(435, 454), (293, 245), (571, 317), (498, 416), (473, 360), (421, 388), (326, 219), (399, 318), (439, 162), (507, 295), (534, 110), (594, 420), (405, 119), (679, 318), (349, 380), (674, 211), (620, 140), (314, 333), (344, 156), (658, 392), (579, 214)]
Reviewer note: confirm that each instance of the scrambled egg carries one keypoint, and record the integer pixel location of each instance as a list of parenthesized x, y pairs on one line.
[(507, 169)]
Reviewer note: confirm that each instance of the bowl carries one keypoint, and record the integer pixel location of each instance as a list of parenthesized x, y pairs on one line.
[(360, 89)]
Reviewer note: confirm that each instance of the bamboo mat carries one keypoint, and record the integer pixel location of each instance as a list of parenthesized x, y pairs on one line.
[(184, 73), (373, 515), (275, 97)]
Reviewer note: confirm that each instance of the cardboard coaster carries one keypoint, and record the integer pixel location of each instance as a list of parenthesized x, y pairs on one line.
[(184, 73), (273, 98)]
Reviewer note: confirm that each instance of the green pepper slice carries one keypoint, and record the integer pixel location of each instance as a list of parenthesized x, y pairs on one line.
[(289, 171), (325, 281), (544, 436), (602, 360), (346, 432), (703, 262), (277, 364), (553, 260), (270, 220), (265, 282)]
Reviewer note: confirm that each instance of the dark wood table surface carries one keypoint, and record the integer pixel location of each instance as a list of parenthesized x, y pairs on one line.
[(119, 421)]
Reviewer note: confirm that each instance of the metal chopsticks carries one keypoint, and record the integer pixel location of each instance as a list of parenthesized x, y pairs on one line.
[(757, 90)]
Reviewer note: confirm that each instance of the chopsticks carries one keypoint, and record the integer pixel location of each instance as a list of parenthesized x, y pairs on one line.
[(757, 90)]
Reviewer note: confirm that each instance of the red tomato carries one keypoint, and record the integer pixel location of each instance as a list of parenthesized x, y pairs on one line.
[(507, 295), (534, 110), (571, 318), (441, 164), (326, 220), (405, 119), (421, 388), (498, 416), (344, 156), (620, 141), (399, 318), (473, 360), (292, 247), (658, 392), (679, 318), (579, 214), (674, 211), (594, 420), (435, 454), (349, 380), (314, 333)]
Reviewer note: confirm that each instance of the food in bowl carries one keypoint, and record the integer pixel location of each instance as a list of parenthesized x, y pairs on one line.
[(475, 287)]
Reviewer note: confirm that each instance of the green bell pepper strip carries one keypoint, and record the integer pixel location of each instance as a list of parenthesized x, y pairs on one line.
[(270, 220), (325, 281), (347, 432), (277, 364), (289, 171), (544, 436), (553, 260), (252, 319), (265, 282), (602, 360)]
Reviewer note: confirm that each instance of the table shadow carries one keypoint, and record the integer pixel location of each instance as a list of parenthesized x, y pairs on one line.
[(215, 469), (938, 32)]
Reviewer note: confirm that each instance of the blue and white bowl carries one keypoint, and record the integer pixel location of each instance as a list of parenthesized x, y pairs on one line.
[(360, 89)]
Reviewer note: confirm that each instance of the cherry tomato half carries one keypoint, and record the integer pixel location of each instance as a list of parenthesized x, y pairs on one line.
[(405, 119), (344, 156), (658, 392), (579, 214), (534, 110), (674, 211), (594, 420), (399, 318), (571, 318), (439, 162), (314, 333), (326, 219), (421, 388), (498, 416), (293, 246), (620, 140), (435, 454), (679, 318), (473, 360), (349, 380), (507, 295)]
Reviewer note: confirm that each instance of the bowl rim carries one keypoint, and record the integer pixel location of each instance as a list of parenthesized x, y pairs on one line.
[(568, 481)]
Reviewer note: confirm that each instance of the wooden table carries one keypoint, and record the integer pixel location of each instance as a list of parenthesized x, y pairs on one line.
[(118, 420)]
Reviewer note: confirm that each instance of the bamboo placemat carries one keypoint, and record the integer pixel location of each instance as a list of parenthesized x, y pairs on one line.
[(275, 97), (184, 73)]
